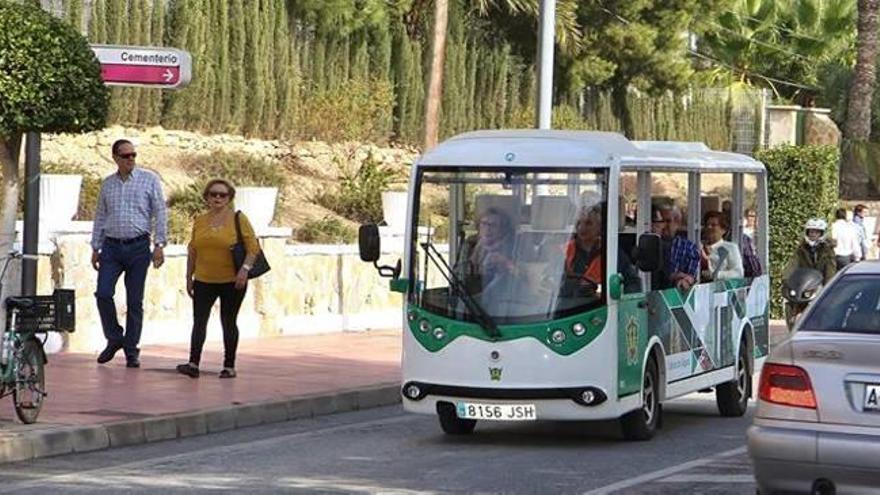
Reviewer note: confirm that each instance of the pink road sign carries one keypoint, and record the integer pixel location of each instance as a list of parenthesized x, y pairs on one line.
[(144, 66)]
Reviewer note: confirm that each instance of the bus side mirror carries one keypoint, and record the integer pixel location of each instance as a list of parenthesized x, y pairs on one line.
[(368, 242), (648, 259), (368, 246)]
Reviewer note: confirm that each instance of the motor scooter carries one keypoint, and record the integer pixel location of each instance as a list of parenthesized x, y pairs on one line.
[(799, 289)]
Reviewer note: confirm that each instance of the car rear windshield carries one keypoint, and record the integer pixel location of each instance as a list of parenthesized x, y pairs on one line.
[(851, 304)]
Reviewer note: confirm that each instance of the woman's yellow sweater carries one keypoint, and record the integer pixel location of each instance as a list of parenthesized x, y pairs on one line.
[(211, 247)]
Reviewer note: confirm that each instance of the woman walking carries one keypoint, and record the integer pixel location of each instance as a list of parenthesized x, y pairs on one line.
[(211, 273)]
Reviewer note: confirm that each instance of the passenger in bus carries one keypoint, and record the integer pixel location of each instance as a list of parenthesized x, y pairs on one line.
[(488, 254), (751, 262), (719, 259), (585, 258), (681, 257)]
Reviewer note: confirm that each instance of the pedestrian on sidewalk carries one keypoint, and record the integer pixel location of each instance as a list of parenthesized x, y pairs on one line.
[(129, 204), (211, 273), (847, 247), (859, 220)]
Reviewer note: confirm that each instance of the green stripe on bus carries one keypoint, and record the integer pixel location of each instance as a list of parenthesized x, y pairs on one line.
[(593, 321)]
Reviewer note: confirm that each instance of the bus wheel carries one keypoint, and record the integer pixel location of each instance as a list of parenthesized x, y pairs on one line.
[(451, 423), (733, 397), (642, 423)]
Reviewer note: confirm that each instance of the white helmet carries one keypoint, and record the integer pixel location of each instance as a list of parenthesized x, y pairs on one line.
[(814, 224)]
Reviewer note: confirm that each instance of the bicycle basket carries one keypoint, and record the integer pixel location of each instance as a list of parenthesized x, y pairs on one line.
[(55, 313)]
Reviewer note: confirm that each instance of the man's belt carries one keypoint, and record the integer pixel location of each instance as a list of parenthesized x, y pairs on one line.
[(130, 240)]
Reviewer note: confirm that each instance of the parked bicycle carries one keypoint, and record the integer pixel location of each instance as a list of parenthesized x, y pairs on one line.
[(22, 357)]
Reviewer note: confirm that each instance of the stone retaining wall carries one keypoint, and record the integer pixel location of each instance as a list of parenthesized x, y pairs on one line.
[(310, 289)]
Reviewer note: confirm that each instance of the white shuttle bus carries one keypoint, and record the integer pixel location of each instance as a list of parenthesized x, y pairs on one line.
[(560, 275)]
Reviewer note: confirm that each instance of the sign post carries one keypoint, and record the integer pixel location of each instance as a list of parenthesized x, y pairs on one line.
[(144, 66)]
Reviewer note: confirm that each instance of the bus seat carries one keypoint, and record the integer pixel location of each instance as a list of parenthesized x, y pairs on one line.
[(552, 213)]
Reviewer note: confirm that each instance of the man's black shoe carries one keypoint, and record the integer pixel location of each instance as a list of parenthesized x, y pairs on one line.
[(132, 362), (108, 352)]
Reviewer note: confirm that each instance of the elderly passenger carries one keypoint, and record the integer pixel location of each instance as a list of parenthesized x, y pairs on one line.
[(720, 259)]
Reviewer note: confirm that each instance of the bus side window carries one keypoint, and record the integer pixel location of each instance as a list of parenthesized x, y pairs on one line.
[(626, 232)]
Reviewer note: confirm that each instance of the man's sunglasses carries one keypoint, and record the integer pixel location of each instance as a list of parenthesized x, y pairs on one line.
[(218, 194), (126, 156)]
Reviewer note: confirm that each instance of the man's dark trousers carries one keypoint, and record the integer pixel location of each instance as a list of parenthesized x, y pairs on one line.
[(133, 259)]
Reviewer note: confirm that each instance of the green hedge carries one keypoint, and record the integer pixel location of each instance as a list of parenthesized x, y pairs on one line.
[(802, 183)]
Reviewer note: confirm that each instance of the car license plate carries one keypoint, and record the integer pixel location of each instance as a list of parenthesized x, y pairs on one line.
[(872, 397), (496, 412)]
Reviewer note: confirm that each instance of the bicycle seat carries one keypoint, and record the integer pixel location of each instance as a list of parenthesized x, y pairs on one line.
[(19, 303)]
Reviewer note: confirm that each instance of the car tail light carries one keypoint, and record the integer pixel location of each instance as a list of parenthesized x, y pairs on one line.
[(786, 385)]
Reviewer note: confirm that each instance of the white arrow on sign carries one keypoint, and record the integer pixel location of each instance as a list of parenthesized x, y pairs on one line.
[(168, 75)]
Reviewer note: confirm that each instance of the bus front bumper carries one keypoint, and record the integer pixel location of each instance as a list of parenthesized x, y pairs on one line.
[(570, 403)]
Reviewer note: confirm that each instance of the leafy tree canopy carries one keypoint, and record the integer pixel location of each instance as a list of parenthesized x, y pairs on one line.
[(346, 16), (640, 43), (786, 45), (50, 81)]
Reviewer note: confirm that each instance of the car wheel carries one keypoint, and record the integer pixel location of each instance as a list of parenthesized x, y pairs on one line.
[(451, 423), (733, 397), (642, 423)]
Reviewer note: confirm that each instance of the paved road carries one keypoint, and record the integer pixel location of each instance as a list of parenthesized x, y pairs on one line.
[(387, 451)]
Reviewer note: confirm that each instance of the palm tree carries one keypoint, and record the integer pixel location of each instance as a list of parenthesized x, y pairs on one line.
[(568, 35), (858, 116)]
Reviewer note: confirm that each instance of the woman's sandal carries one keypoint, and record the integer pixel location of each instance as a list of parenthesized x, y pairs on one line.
[(227, 373), (188, 370)]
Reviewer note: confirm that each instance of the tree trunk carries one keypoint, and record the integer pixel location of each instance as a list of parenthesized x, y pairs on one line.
[(858, 116), (10, 150), (619, 106), (435, 81)]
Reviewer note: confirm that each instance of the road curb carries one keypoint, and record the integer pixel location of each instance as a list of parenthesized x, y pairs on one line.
[(59, 440)]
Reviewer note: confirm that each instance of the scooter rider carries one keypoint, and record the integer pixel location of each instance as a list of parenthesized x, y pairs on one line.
[(816, 254), (815, 251)]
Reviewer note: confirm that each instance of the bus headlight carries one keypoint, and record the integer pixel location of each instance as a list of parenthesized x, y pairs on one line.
[(578, 329), (439, 333), (412, 391), (424, 326), (557, 336), (588, 396)]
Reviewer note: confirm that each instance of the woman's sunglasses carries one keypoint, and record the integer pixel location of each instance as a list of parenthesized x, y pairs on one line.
[(218, 194)]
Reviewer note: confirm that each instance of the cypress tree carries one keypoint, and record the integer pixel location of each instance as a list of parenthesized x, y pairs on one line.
[(256, 97), (284, 69), (237, 48), (98, 22), (117, 17), (219, 35), (153, 106), (178, 32), (269, 39), (73, 13)]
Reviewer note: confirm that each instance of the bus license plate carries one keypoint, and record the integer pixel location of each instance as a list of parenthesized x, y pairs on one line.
[(872, 398), (496, 412)]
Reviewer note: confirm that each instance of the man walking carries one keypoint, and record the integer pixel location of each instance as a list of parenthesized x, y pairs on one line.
[(859, 222), (130, 201)]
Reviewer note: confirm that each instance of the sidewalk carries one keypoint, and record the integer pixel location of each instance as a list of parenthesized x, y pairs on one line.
[(92, 406)]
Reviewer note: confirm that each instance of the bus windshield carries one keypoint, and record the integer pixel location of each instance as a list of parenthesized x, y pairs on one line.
[(510, 246)]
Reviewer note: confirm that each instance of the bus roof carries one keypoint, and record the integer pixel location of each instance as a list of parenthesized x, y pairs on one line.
[(560, 148)]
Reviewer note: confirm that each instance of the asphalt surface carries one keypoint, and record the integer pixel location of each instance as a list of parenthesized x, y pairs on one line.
[(385, 450)]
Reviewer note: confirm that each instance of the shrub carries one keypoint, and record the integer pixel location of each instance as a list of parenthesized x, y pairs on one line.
[(328, 230), (802, 183), (183, 205), (359, 196), (241, 169), (359, 110)]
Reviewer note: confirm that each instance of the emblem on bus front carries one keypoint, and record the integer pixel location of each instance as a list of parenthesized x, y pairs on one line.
[(495, 374), (510, 157)]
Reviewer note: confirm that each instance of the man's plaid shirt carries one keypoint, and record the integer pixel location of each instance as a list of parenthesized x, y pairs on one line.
[(684, 256), (128, 208)]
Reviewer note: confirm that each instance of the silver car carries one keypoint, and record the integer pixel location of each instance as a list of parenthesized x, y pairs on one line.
[(817, 426)]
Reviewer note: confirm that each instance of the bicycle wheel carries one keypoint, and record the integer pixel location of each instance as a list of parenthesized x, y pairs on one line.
[(30, 381)]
